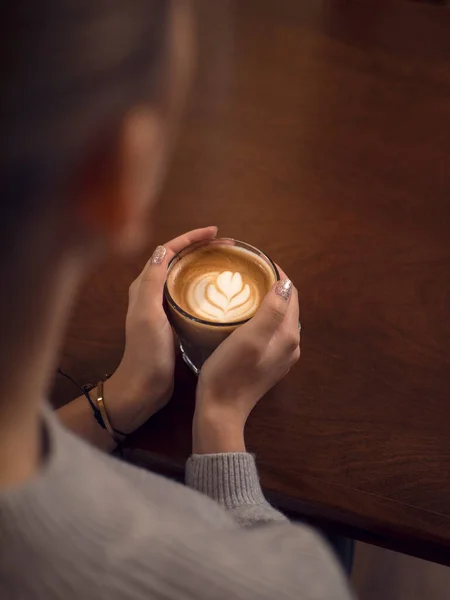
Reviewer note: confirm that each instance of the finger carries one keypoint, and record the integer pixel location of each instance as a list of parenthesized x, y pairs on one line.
[(164, 254), (292, 316), (133, 293), (153, 276), (273, 309), (292, 321), (196, 235), (293, 360)]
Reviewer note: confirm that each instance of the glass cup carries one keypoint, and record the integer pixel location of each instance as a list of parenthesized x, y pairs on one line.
[(199, 338)]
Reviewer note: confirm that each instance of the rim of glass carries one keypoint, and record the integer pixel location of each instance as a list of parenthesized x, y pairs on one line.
[(196, 245)]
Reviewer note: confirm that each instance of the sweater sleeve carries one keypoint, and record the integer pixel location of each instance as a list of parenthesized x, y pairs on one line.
[(231, 479)]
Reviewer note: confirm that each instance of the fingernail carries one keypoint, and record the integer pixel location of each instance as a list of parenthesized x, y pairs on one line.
[(284, 288), (217, 231), (158, 255)]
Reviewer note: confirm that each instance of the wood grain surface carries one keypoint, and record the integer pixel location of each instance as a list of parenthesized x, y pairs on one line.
[(320, 132)]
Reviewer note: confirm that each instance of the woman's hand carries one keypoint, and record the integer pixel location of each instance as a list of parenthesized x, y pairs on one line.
[(243, 368), (143, 382)]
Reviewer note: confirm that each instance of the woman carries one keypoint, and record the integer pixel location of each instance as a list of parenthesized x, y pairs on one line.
[(90, 100)]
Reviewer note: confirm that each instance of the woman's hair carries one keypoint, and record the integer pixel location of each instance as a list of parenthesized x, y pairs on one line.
[(70, 70)]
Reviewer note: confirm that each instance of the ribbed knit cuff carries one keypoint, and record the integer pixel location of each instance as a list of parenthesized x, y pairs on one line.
[(230, 479)]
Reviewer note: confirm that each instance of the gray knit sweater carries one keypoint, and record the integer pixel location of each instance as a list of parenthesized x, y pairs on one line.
[(89, 526)]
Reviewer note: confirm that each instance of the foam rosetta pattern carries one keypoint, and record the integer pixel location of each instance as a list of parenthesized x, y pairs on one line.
[(222, 296)]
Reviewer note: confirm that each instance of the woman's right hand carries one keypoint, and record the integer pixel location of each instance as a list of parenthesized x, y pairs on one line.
[(243, 368)]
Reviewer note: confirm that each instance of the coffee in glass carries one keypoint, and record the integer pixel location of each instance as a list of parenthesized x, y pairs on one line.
[(213, 287)]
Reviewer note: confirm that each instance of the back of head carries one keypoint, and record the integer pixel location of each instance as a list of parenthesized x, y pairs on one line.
[(70, 70)]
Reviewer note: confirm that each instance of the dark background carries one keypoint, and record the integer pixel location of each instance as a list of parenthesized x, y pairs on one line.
[(320, 132)]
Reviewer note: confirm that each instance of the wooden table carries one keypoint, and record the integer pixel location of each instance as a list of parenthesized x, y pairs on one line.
[(320, 132)]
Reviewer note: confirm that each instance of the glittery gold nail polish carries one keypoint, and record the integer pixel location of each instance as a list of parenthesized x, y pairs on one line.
[(158, 255), (284, 288)]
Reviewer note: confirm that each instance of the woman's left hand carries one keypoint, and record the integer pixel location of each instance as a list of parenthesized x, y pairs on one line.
[(143, 382)]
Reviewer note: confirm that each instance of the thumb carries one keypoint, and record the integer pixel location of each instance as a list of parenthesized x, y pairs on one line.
[(273, 308), (153, 278)]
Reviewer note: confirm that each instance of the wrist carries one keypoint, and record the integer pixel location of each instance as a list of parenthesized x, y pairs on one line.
[(131, 400), (216, 431), (117, 399)]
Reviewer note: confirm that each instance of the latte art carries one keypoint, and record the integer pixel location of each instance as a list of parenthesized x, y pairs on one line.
[(216, 286), (222, 296)]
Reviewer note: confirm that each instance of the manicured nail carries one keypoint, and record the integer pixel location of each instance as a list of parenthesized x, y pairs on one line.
[(158, 255), (284, 288)]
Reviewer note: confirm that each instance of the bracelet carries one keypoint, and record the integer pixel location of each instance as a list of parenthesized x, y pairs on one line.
[(114, 433), (99, 411)]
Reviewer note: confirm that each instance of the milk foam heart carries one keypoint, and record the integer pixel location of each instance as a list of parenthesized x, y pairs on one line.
[(222, 296)]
